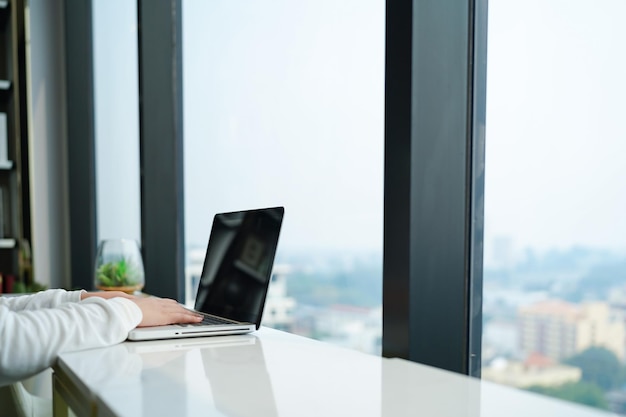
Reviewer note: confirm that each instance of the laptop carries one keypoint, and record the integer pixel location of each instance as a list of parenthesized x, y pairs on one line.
[(235, 276)]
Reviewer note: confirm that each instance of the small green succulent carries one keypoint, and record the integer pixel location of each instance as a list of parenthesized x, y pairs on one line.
[(118, 274)]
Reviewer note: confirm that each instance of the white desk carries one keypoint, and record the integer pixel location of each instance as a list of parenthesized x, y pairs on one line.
[(270, 374)]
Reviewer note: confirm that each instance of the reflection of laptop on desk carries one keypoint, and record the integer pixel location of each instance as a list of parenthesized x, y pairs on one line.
[(235, 276), (240, 369), (174, 345)]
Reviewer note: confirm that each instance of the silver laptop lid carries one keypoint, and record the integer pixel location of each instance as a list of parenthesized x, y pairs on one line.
[(238, 264)]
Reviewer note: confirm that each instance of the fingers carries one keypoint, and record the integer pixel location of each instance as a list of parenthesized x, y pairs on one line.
[(113, 294), (106, 294), (179, 314), (186, 317), (160, 311)]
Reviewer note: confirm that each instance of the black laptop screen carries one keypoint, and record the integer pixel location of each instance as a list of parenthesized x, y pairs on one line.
[(238, 264)]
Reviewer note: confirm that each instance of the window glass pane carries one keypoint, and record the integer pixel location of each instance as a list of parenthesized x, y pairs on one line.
[(284, 105), (555, 198), (117, 119)]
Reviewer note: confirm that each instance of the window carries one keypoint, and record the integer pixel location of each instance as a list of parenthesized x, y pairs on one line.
[(555, 253), (284, 105), (116, 119)]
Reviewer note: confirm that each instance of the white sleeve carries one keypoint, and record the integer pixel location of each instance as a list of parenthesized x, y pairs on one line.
[(31, 340), (43, 299)]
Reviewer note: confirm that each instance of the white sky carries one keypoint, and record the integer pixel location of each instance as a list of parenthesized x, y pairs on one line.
[(284, 105), (276, 84), (556, 125), (116, 119)]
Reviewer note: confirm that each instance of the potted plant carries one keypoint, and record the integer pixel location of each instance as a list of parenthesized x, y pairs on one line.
[(119, 266)]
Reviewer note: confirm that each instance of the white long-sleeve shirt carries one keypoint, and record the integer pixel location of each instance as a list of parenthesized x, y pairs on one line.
[(35, 329)]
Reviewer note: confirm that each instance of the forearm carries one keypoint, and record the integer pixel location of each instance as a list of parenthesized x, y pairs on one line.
[(43, 299), (32, 340)]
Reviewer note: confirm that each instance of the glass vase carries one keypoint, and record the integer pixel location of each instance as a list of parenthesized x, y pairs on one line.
[(119, 266)]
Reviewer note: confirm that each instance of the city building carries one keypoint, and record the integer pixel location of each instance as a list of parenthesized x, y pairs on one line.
[(279, 308), (193, 272), (559, 329), (537, 369), (94, 168)]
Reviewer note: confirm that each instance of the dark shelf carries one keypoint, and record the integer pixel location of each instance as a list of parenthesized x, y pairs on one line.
[(15, 210), (7, 243)]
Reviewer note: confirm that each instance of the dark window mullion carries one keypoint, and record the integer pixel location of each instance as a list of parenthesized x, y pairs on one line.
[(81, 141), (429, 183), (161, 146)]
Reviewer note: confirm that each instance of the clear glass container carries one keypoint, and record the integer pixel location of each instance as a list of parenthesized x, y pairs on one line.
[(119, 266)]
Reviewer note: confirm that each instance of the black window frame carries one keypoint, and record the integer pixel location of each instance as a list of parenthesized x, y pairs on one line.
[(434, 183), (434, 168)]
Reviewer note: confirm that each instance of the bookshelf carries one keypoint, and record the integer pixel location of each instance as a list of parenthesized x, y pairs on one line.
[(15, 233)]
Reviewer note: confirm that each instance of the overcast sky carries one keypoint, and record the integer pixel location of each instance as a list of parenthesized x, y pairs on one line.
[(284, 105), (556, 125)]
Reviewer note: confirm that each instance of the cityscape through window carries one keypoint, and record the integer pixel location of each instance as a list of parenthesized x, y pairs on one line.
[(554, 291), (284, 106)]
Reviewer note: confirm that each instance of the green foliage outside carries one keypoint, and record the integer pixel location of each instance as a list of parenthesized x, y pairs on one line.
[(358, 287), (579, 392), (602, 372), (599, 366), (118, 274)]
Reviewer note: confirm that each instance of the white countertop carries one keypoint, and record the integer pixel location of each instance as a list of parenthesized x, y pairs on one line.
[(271, 373)]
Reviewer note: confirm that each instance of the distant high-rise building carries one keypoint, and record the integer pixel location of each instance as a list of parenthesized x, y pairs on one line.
[(558, 329), (193, 272), (278, 311)]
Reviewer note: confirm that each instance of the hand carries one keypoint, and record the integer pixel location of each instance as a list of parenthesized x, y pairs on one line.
[(105, 294), (160, 311)]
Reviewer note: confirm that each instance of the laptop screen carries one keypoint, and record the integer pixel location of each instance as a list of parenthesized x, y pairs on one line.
[(238, 264)]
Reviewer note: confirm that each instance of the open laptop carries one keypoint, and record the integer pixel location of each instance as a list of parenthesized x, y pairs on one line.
[(235, 276)]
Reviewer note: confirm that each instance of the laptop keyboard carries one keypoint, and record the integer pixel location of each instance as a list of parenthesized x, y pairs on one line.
[(211, 320)]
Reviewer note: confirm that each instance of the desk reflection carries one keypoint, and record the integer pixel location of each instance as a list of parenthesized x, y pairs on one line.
[(239, 380), (271, 373), (233, 380)]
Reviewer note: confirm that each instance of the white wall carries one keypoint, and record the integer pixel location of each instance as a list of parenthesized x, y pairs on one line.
[(48, 144)]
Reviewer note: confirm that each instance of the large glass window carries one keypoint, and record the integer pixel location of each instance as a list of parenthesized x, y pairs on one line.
[(284, 105), (555, 198), (116, 92)]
